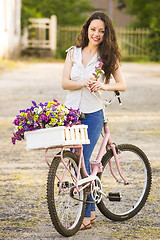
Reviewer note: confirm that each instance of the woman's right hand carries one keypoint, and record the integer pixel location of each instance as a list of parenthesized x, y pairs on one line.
[(88, 82)]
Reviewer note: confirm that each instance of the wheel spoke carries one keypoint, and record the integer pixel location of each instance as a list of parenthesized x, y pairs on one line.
[(136, 170), (66, 212)]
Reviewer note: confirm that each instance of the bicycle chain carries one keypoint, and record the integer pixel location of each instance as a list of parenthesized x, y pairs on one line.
[(71, 195), (82, 200)]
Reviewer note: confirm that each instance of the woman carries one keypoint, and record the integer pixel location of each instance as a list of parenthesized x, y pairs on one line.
[(96, 43)]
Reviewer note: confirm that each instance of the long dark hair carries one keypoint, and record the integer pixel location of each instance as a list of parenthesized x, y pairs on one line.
[(108, 49)]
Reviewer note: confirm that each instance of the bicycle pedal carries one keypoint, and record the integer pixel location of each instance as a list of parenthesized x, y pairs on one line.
[(114, 197)]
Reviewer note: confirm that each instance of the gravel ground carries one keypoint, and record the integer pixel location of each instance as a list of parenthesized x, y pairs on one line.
[(23, 211)]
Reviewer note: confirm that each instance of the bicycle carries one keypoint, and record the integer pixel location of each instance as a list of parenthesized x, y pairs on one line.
[(120, 182)]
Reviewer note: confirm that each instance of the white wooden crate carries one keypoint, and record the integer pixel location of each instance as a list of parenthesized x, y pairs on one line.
[(57, 136)]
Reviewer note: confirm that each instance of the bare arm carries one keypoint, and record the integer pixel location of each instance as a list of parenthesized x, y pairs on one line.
[(67, 83)]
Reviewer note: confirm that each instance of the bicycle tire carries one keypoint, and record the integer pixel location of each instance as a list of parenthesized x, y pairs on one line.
[(124, 201), (66, 213)]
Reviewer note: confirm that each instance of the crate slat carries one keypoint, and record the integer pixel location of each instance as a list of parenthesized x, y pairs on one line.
[(56, 136)]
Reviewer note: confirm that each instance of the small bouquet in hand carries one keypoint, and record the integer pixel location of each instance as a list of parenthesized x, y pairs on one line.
[(50, 114), (98, 71)]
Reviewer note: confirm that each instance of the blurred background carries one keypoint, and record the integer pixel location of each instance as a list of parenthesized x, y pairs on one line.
[(47, 28)]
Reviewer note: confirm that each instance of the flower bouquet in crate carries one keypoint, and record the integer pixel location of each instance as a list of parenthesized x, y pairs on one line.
[(49, 124)]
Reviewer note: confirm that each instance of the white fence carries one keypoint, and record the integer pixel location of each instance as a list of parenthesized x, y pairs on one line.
[(132, 42), (41, 34)]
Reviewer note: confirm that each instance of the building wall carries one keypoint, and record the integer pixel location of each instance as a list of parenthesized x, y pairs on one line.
[(10, 28), (119, 17)]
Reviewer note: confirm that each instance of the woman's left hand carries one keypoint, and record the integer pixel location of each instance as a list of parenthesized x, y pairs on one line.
[(96, 86)]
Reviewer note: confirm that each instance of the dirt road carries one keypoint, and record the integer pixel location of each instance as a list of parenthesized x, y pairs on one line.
[(23, 211)]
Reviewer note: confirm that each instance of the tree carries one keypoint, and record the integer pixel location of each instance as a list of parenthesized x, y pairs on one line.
[(146, 11), (147, 16), (68, 12)]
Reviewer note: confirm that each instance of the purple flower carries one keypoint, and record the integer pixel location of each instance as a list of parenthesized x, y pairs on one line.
[(98, 71), (33, 119), (34, 103), (94, 74)]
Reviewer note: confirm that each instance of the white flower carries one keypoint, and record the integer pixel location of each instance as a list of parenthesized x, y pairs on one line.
[(16, 129), (38, 110), (66, 111), (47, 126)]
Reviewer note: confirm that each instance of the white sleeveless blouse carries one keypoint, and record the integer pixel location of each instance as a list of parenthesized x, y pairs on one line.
[(83, 99)]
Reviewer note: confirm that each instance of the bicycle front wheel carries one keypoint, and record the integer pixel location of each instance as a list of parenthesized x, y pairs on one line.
[(124, 200), (66, 209)]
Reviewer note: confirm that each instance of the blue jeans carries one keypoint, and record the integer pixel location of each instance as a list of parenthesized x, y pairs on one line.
[(95, 124)]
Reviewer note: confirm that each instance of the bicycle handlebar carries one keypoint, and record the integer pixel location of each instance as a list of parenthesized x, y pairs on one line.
[(106, 103), (116, 94)]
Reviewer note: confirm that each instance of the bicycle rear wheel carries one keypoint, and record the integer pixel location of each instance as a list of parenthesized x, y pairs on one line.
[(123, 201), (66, 211)]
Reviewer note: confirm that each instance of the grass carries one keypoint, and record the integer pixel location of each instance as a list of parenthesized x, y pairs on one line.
[(140, 60), (151, 132), (21, 224), (120, 231), (12, 64), (24, 61), (145, 233), (6, 65), (38, 60), (23, 195)]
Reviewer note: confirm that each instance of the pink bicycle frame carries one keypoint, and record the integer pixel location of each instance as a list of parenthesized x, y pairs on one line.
[(105, 146), (79, 149), (96, 166)]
